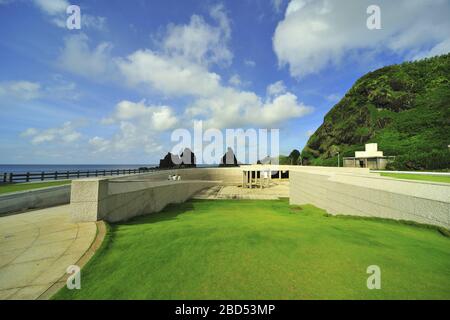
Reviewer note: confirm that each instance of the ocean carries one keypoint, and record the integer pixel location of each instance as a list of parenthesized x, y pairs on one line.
[(24, 168)]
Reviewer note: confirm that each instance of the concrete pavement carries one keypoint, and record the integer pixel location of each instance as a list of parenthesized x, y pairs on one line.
[(278, 189), (36, 248)]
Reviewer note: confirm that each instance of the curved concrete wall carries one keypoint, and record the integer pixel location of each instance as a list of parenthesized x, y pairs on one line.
[(118, 200), (34, 199), (364, 195), (121, 198)]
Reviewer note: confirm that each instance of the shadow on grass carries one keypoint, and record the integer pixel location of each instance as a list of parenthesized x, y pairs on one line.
[(170, 212), (443, 231)]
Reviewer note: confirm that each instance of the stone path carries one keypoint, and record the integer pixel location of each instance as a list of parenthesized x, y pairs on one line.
[(274, 192), (36, 248)]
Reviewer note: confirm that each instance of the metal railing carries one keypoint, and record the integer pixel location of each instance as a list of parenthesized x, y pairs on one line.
[(14, 177)]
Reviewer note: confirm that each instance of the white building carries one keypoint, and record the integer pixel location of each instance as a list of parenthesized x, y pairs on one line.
[(370, 158)]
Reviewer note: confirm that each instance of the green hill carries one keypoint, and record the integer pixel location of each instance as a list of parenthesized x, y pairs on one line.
[(404, 108)]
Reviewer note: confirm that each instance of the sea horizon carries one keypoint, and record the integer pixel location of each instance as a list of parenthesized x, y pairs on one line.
[(33, 168), (16, 168)]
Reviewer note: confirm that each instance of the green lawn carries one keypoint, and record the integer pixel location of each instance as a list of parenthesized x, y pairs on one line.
[(422, 177), (244, 249), (28, 186)]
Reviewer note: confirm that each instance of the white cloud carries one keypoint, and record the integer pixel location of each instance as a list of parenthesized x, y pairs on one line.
[(232, 109), (199, 41), (249, 63), (99, 144), (93, 22), (334, 97), (277, 5), (317, 34), (181, 67), (152, 118), (77, 57), (29, 132), (56, 10), (64, 134), (276, 88), (441, 48), (235, 80), (138, 125), (130, 137), (52, 7), (168, 75), (283, 107), (21, 90)]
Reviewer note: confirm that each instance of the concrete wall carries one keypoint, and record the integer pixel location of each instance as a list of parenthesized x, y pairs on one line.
[(34, 199), (121, 198), (371, 195), (351, 191), (226, 175), (118, 200)]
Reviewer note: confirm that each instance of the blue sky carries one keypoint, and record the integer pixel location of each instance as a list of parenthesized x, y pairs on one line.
[(113, 91)]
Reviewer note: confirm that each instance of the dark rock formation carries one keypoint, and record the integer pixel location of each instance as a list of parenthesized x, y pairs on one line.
[(170, 161), (188, 159), (229, 159)]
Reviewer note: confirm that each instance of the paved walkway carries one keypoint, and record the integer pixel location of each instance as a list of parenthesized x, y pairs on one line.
[(36, 248), (274, 192)]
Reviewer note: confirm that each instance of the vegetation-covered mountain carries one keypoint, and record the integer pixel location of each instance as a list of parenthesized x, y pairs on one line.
[(404, 108)]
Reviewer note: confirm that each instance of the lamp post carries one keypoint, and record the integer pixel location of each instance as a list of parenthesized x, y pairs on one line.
[(339, 163)]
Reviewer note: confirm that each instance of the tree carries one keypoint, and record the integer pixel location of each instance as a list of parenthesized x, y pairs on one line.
[(294, 157)]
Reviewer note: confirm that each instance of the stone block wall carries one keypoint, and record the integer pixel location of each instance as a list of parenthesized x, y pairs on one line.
[(423, 202)]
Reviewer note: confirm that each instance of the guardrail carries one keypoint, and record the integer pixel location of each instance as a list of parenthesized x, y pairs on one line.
[(13, 177)]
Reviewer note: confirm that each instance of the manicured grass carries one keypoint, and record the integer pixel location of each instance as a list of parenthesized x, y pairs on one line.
[(244, 249), (422, 177), (28, 186)]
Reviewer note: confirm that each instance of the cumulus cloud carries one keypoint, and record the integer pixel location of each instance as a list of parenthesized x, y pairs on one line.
[(20, 90), (276, 88), (317, 34), (181, 67), (235, 80), (66, 133), (231, 108), (52, 7), (168, 75), (199, 41), (128, 138), (138, 125), (277, 4), (77, 57), (153, 118), (56, 11)]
